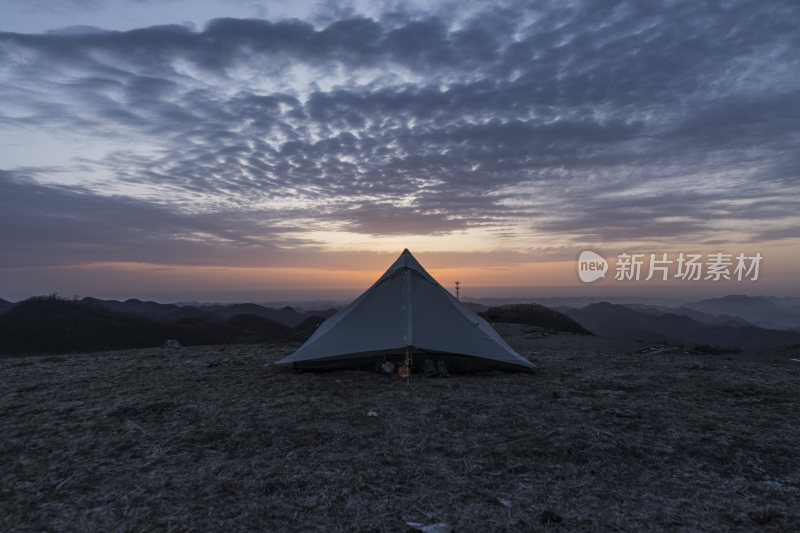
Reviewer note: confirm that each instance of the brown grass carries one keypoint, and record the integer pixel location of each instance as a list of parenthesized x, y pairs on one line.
[(209, 438)]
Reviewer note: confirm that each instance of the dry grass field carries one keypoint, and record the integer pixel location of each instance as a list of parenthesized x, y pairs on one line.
[(601, 438)]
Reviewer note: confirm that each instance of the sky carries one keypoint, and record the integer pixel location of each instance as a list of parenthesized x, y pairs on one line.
[(242, 150)]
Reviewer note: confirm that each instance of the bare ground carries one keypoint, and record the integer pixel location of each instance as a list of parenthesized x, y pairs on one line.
[(601, 438)]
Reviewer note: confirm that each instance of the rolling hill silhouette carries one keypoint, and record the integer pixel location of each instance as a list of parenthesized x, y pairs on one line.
[(651, 324), (52, 325), (5, 306), (762, 311), (534, 315)]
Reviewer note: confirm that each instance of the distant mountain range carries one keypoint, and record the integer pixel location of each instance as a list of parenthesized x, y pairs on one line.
[(762, 311), (53, 325), (286, 315), (713, 323)]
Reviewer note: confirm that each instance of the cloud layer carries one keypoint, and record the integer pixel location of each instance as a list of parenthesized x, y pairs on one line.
[(599, 123)]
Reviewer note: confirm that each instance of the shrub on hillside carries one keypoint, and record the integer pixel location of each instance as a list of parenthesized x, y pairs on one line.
[(533, 315)]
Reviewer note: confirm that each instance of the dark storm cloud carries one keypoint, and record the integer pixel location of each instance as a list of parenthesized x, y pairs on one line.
[(47, 225), (600, 122)]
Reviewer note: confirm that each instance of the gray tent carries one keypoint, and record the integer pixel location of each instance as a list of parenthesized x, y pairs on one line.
[(406, 309)]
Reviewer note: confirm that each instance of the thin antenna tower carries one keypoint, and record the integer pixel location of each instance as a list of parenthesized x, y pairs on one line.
[(458, 297)]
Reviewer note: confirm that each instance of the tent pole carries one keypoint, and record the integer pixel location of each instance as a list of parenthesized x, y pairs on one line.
[(408, 368), (410, 330)]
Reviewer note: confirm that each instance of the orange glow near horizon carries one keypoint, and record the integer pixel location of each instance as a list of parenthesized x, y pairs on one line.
[(135, 278), (172, 277), (523, 274), (477, 272), (558, 273)]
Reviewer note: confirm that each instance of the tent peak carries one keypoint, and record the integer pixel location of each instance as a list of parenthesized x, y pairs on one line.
[(406, 261)]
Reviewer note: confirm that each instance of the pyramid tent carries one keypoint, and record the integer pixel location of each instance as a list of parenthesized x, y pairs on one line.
[(406, 309)]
